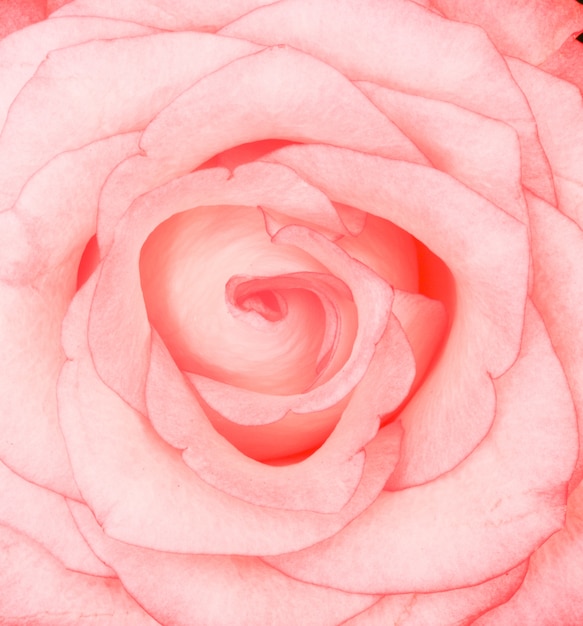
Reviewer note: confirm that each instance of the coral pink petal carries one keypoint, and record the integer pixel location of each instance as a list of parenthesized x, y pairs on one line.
[(482, 518), (110, 65), (38, 589), (187, 589), (326, 480), (470, 73), (567, 62), (18, 14), (478, 242), (141, 490), (513, 27), (480, 152), (39, 260), (551, 592), (458, 607), (167, 14), (43, 516), (373, 298)]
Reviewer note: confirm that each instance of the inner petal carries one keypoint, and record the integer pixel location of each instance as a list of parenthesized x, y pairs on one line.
[(209, 278)]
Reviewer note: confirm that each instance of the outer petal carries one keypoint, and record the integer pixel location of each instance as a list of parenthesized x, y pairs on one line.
[(184, 589), (530, 30), (42, 240), (458, 607), (551, 592), (120, 98), (482, 518), (168, 14), (37, 589), (449, 61), (567, 62)]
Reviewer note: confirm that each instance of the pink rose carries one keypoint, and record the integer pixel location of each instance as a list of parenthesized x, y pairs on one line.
[(291, 312)]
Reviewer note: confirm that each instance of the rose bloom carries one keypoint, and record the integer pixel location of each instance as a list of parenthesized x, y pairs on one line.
[(291, 312)]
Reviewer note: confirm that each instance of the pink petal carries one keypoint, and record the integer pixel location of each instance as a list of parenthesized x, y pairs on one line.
[(186, 589), (528, 30), (482, 518), (557, 249), (567, 62), (17, 14), (478, 243), (141, 490), (38, 589), (39, 259), (120, 99), (558, 110), (480, 152), (326, 480), (43, 516), (551, 592), (453, 62), (458, 607), (167, 14), (21, 54), (372, 297)]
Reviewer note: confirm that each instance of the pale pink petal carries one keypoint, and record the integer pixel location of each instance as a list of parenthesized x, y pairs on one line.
[(479, 243), (35, 588), (184, 589), (372, 41), (557, 107), (482, 153), (21, 54), (41, 242), (120, 98), (458, 607), (198, 15), (557, 249), (528, 30), (482, 518), (551, 592), (44, 516)]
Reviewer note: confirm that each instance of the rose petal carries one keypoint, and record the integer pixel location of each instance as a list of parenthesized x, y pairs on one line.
[(514, 27), (141, 490), (43, 515), (482, 518), (186, 589), (18, 15), (168, 14), (39, 259), (458, 607), (111, 80), (557, 247), (21, 54), (551, 591), (478, 242), (470, 73), (558, 110), (567, 62), (322, 483), (38, 589), (373, 298), (480, 152)]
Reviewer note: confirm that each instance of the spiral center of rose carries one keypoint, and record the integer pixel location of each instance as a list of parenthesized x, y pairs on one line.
[(232, 305)]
